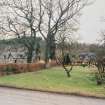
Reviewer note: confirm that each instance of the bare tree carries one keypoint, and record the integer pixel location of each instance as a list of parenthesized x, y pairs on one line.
[(103, 38), (100, 61), (22, 23), (63, 48), (100, 74), (54, 14)]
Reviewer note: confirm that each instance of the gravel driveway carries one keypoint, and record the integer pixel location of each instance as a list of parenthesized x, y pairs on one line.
[(22, 97)]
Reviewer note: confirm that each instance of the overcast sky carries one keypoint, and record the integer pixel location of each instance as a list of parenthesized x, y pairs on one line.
[(91, 22)]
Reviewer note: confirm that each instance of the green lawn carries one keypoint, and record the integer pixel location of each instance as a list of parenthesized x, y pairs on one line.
[(82, 81)]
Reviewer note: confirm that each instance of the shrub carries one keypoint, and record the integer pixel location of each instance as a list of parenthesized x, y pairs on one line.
[(84, 65), (9, 69)]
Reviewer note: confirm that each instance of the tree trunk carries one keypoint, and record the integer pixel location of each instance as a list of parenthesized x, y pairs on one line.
[(46, 54), (49, 49), (68, 73), (52, 46), (29, 56)]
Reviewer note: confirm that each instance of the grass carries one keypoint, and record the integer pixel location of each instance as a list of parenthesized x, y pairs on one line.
[(82, 81)]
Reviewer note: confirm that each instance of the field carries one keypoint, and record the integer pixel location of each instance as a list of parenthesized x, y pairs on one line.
[(82, 81)]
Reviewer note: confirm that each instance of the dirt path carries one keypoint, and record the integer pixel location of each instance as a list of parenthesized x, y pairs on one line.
[(21, 97)]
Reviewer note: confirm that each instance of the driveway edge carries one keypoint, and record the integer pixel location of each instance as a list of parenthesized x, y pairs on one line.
[(52, 92)]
